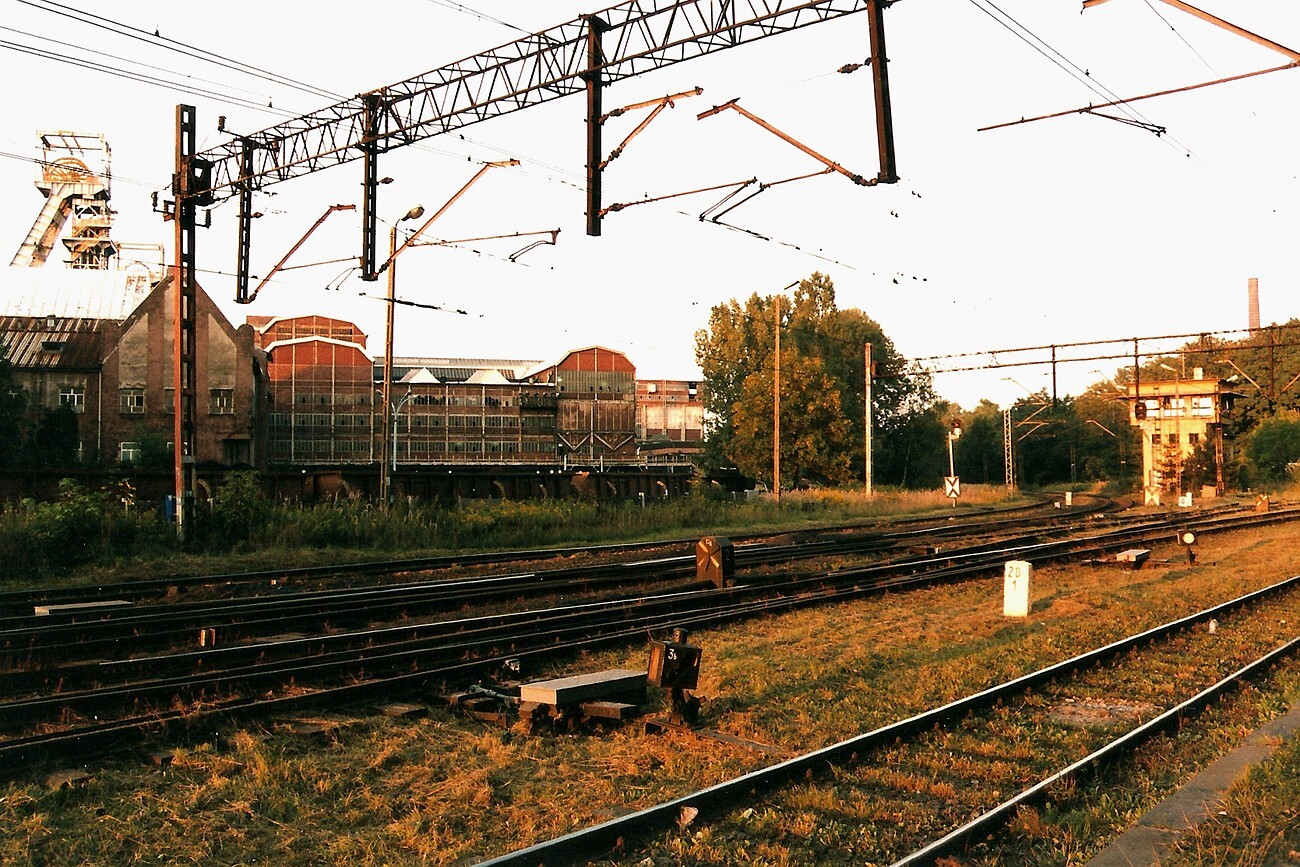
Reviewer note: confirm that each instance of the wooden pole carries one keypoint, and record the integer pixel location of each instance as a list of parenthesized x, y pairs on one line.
[(776, 409)]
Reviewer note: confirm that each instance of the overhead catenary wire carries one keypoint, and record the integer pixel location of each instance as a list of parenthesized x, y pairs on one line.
[(157, 39), (1081, 75), (133, 76), (482, 16), (45, 163)]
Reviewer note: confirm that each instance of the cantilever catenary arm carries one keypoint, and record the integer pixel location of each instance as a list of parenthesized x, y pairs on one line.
[(279, 266), (659, 105), (1218, 22), (429, 222), (544, 237), (829, 163)]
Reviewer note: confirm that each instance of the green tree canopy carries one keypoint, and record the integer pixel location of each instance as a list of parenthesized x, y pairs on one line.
[(823, 367), (1273, 445)]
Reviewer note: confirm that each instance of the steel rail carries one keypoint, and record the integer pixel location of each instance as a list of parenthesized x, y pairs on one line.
[(27, 666), (1130, 740), (25, 600), (662, 817), (805, 592), (156, 625), (956, 563)]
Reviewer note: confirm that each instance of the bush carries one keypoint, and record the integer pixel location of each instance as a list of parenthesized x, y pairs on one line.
[(240, 512), (81, 527)]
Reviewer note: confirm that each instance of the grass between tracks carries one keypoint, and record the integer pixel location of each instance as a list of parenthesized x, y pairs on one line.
[(87, 538), (444, 790)]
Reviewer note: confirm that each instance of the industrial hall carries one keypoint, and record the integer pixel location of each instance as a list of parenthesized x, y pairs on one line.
[(304, 394)]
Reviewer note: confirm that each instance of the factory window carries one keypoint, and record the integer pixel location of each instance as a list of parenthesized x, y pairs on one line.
[(128, 452), (221, 401), (235, 451), (73, 396), (1155, 439), (1193, 438), (169, 400), (132, 400)]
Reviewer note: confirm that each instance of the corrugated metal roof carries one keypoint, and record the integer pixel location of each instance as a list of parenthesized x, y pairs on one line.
[(461, 368), (35, 343), (72, 293)]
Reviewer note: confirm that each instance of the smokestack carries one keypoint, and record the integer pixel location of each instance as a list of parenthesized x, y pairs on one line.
[(1252, 291)]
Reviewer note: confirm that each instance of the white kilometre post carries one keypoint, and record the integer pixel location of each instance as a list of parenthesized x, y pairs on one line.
[(1017, 587)]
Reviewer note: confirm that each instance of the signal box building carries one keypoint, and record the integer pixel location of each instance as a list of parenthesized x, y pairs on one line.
[(1176, 417)]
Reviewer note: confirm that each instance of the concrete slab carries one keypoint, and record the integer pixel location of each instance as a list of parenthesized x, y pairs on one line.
[(597, 686), (1195, 802)]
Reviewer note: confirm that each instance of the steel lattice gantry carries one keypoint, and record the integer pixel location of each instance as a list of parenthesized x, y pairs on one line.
[(579, 56)]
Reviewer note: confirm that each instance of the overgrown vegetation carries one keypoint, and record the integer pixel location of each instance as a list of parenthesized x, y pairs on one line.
[(107, 529)]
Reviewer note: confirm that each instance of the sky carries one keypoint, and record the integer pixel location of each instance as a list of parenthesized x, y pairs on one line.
[(1074, 229)]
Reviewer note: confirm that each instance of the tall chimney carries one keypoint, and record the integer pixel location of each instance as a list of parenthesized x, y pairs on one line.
[(1252, 291)]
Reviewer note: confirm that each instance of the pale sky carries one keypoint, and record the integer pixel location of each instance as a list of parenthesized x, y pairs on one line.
[(1073, 229)]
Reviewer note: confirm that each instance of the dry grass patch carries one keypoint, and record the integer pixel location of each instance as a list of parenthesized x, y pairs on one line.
[(443, 789)]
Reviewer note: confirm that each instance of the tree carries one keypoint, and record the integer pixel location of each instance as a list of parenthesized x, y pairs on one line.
[(55, 442), (979, 455), (822, 388), (13, 404), (1273, 446)]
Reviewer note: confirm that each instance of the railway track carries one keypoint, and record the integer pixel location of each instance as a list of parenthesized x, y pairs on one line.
[(934, 785), (115, 701), (15, 605), (32, 642)]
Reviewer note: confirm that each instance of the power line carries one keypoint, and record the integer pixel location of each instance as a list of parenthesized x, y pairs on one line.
[(1183, 39), (474, 13), (87, 50), (1084, 77), (45, 163), (140, 77), (156, 39)]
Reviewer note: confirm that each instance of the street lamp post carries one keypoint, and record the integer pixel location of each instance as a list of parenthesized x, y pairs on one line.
[(390, 422), (397, 411)]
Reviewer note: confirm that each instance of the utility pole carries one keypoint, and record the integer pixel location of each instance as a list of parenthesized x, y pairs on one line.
[(776, 407), (866, 422), (1009, 448)]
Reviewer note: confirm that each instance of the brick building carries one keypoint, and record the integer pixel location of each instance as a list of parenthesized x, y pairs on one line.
[(324, 393), (595, 390), (100, 342), (669, 416)]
